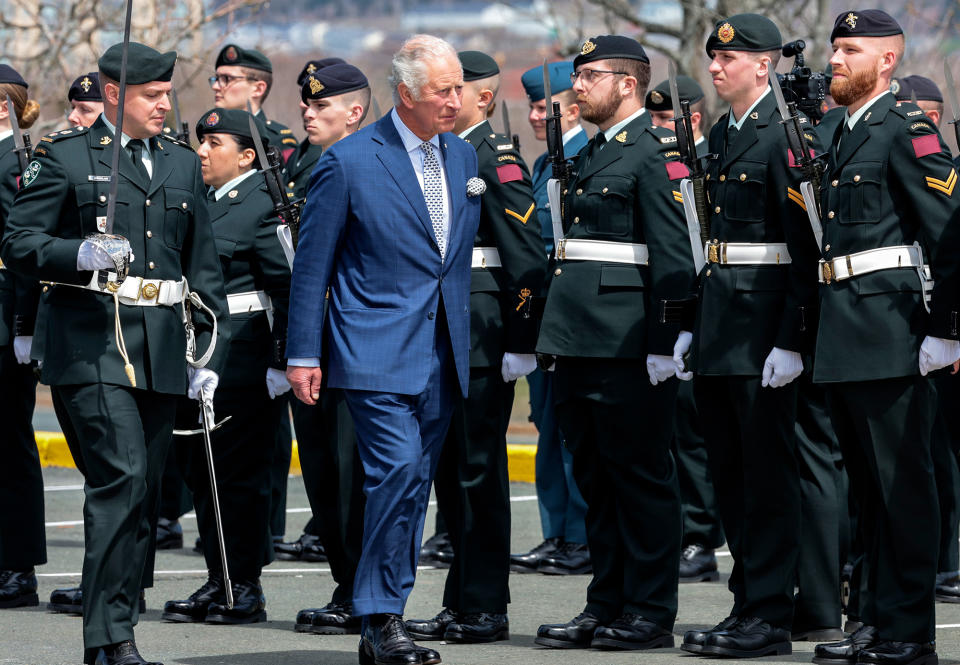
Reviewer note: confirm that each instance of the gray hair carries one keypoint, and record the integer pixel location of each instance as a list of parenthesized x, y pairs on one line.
[(409, 65)]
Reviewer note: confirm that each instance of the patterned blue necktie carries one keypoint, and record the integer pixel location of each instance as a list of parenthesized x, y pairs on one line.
[(433, 194)]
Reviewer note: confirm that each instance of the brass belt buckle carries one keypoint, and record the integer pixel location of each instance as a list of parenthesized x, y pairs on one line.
[(712, 253), (826, 270), (562, 249), (149, 291)]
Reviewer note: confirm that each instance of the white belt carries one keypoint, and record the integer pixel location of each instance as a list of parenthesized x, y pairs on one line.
[(603, 250), (137, 290), (871, 260), (249, 301), (747, 253), (486, 257)]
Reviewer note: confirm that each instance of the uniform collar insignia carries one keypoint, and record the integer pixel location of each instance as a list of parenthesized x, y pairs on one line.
[(105, 140), (621, 137)]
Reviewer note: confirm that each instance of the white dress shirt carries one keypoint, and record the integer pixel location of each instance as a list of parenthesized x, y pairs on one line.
[(147, 155)]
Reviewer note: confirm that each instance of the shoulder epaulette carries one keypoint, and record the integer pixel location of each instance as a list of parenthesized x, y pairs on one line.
[(173, 139), (64, 133)]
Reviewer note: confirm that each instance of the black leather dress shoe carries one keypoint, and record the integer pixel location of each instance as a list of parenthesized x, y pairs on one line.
[(749, 638), (575, 634), (899, 653), (248, 606), (693, 640), (18, 589), (336, 619), (948, 588), (124, 653), (169, 534), (70, 601), (386, 642), (428, 656), (430, 629), (437, 551), (847, 650), (305, 548), (698, 564), (528, 562), (632, 631), (194, 609), (569, 559), (478, 628)]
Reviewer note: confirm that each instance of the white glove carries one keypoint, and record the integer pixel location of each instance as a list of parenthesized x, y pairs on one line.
[(203, 378), (515, 365), (781, 367), (660, 368), (93, 257), (277, 383), (936, 353), (680, 347), (21, 348)]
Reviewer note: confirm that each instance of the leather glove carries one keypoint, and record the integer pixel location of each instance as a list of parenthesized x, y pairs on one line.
[(781, 367), (660, 368), (680, 347), (277, 383), (93, 257), (21, 348), (515, 365), (936, 353), (201, 378)]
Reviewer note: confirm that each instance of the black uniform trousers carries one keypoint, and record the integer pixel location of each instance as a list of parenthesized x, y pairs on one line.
[(823, 498), (473, 492), (619, 429), (280, 467), (884, 429), (698, 499), (23, 542), (944, 447), (751, 446), (123, 436), (242, 450), (333, 480)]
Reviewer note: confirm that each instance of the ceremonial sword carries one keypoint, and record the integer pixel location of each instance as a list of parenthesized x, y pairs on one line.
[(21, 142), (209, 424), (954, 104)]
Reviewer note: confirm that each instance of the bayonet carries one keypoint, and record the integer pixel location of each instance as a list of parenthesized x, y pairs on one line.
[(515, 138), (913, 97), (21, 143), (954, 104), (182, 128), (374, 106)]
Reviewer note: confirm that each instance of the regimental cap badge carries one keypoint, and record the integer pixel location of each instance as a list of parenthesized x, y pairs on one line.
[(105, 140), (231, 53), (587, 47), (895, 86), (212, 120), (726, 33), (851, 20), (86, 84), (315, 86), (656, 97), (621, 137), (311, 68)]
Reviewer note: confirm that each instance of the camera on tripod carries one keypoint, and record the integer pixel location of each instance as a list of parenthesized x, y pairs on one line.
[(802, 85)]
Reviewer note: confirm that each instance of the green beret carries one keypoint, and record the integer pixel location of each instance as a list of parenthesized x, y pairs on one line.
[(234, 56), (610, 46), (744, 32), (144, 64), (904, 88), (865, 23), (332, 81), (658, 99), (229, 121), (477, 65)]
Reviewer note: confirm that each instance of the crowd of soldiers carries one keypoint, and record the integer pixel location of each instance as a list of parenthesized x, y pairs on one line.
[(816, 438)]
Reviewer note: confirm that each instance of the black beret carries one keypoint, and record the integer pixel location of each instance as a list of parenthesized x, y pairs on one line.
[(658, 99), (144, 64), (610, 46), (332, 81), (234, 56), (314, 65), (10, 75), (228, 121), (477, 65), (744, 32), (865, 23), (86, 88), (904, 87)]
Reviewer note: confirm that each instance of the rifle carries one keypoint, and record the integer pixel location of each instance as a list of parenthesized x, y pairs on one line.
[(811, 167), (954, 105), (557, 185), (183, 135), (694, 188)]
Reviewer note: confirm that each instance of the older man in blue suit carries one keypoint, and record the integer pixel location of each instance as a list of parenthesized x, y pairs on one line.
[(388, 228)]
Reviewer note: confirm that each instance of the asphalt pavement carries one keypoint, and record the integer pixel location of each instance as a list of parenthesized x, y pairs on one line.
[(34, 636)]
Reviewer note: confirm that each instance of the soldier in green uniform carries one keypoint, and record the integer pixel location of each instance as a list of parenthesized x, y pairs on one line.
[(123, 430), (22, 536), (86, 102), (471, 482), (888, 208), (754, 303), (625, 249)]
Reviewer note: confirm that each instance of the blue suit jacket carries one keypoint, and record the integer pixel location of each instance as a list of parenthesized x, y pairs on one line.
[(366, 235), (542, 172)]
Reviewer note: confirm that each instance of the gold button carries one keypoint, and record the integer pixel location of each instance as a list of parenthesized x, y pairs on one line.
[(722, 178), (715, 241), (147, 202), (565, 192), (547, 206), (184, 205), (605, 190), (717, 210), (835, 183), (557, 271), (708, 176), (708, 273), (576, 220), (579, 192), (827, 248), (743, 176), (103, 199), (290, 184), (856, 178), (149, 234), (151, 265), (831, 215), (46, 288)]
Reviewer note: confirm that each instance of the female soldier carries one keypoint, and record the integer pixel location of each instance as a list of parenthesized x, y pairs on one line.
[(257, 280), (22, 540), (86, 104)]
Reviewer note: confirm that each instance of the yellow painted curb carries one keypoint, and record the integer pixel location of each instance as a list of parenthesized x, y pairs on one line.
[(53, 450)]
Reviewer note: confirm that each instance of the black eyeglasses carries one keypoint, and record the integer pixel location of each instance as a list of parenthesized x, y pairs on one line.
[(226, 79), (591, 75)]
